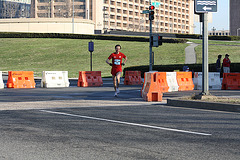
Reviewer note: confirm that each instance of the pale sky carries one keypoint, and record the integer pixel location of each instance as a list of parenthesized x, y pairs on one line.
[(220, 19)]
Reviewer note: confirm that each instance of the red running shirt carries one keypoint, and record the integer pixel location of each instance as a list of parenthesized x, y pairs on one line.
[(116, 62), (226, 62)]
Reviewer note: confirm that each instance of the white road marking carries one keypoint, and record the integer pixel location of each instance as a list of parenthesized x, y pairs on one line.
[(127, 123)]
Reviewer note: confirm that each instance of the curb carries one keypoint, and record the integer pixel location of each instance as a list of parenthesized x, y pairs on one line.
[(204, 105)]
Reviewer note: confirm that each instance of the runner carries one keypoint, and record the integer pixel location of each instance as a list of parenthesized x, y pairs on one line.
[(116, 67)]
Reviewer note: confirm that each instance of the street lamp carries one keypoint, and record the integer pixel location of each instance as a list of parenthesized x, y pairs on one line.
[(237, 31)]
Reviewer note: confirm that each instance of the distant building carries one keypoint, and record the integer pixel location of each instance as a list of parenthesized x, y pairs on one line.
[(219, 33), (15, 9), (235, 17), (171, 16)]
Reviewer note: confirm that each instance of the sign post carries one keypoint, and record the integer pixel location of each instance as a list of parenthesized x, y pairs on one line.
[(90, 49), (205, 88), (202, 7)]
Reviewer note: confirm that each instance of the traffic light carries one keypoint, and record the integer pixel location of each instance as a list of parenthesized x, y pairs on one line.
[(159, 40), (151, 7), (151, 15), (156, 40)]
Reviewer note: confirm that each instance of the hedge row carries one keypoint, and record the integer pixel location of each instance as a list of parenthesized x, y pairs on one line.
[(235, 67), (84, 36), (197, 36)]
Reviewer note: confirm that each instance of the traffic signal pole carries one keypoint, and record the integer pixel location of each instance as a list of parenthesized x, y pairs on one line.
[(150, 47), (150, 42)]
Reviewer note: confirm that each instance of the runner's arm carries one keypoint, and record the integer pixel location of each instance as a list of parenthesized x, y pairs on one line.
[(125, 60), (107, 61)]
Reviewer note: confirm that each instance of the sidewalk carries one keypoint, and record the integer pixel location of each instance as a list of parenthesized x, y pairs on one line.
[(190, 55)]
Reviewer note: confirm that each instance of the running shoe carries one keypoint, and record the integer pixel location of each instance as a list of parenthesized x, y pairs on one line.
[(118, 91), (115, 95)]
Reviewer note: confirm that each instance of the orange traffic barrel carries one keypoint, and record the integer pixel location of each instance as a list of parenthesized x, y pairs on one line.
[(90, 79), (21, 79)]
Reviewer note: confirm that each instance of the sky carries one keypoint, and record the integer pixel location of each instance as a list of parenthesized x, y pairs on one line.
[(220, 19)]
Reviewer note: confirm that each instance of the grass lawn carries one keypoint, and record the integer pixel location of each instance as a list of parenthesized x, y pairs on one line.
[(214, 51), (45, 54)]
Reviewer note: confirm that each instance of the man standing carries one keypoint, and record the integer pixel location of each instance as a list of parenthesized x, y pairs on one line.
[(218, 63), (116, 67), (226, 64)]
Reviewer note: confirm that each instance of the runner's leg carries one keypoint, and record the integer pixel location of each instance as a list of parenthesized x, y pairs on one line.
[(118, 75), (114, 82)]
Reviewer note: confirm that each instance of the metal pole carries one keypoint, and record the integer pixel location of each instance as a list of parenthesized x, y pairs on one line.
[(91, 61), (73, 18), (150, 45), (205, 88), (104, 9), (153, 58)]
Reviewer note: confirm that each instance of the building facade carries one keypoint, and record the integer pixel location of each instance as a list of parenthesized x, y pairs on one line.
[(235, 17), (171, 16), (219, 33), (15, 9)]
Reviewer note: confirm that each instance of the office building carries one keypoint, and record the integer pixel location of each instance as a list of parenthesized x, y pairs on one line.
[(235, 17), (15, 9), (171, 16)]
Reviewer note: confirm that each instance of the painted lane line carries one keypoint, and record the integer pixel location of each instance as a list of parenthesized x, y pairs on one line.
[(128, 123)]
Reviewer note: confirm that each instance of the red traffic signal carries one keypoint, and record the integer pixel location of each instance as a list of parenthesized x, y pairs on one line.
[(151, 15), (151, 7), (160, 40)]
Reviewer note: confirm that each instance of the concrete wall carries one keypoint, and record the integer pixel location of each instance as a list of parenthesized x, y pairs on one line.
[(47, 25)]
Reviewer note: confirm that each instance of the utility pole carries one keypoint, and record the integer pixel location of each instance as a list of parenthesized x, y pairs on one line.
[(73, 18), (150, 40)]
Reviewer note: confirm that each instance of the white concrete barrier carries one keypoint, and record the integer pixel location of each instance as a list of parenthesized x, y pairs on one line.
[(53, 79), (1, 81), (172, 81), (214, 80)]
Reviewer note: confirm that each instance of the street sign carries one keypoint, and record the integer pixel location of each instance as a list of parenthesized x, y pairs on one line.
[(203, 6), (145, 12), (91, 46), (156, 4)]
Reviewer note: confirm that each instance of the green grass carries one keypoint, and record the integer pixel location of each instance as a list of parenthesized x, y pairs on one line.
[(45, 54), (214, 51), (72, 55), (221, 47)]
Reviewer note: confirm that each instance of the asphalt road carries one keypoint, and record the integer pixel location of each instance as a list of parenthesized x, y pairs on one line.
[(89, 123), (119, 132)]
